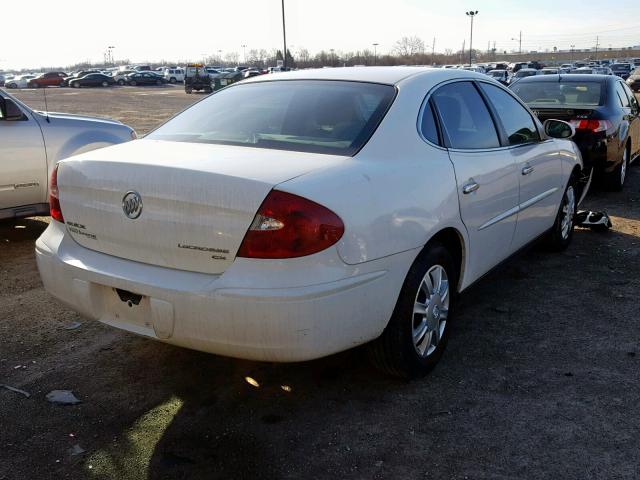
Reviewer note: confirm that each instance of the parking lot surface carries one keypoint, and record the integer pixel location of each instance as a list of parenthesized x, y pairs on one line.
[(541, 378)]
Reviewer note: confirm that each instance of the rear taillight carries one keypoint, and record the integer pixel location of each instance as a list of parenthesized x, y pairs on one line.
[(54, 197), (289, 226), (592, 125)]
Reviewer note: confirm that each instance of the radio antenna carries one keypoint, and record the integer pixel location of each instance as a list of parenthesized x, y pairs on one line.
[(46, 107)]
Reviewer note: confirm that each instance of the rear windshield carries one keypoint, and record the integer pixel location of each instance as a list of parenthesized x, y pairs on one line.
[(332, 117), (560, 93), (525, 73)]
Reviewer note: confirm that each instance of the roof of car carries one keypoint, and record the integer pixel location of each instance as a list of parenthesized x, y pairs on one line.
[(568, 78), (387, 75)]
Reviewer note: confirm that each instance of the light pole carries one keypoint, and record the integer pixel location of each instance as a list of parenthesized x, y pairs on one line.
[(519, 39), (375, 53), (284, 37), (333, 57), (244, 54), (220, 56), (572, 47), (472, 14)]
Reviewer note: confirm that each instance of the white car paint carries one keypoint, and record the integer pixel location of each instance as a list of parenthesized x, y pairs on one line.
[(19, 81), (393, 196), (29, 148)]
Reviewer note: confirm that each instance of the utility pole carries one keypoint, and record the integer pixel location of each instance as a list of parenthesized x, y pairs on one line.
[(284, 37), (433, 51), (519, 40), (244, 54), (472, 14), (375, 53), (597, 45)]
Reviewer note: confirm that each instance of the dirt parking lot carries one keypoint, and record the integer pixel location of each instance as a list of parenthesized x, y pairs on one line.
[(541, 378)]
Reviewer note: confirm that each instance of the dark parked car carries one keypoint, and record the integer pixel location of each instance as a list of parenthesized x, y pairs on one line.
[(604, 112), (622, 70), (73, 76), (634, 80), (92, 80), (49, 79), (144, 78)]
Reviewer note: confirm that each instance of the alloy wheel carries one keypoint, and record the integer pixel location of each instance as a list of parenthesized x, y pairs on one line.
[(430, 311), (568, 212)]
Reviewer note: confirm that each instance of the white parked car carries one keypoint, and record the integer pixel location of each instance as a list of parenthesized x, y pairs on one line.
[(32, 142), (285, 219), (174, 75), (19, 81)]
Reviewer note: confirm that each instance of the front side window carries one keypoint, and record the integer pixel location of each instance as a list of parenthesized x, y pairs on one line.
[(622, 95), (516, 120), (332, 117), (465, 118)]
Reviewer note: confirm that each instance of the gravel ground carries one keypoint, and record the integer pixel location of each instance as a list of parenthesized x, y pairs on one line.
[(541, 378)]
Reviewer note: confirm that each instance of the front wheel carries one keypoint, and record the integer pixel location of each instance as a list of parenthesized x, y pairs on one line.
[(121, 83), (105, 84), (133, 83), (415, 337), (561, 233), (172, 80)]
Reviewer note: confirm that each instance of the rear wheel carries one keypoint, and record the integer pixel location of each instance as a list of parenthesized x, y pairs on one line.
[(76, 85), (188, 90), (614, 181), (172, 80), (416, 335), (561, 233), (133, 83), (105, 84), (121, 82)]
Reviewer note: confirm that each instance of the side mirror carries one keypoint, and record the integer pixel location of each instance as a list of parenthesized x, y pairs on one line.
[(559, 129), (11, 112)]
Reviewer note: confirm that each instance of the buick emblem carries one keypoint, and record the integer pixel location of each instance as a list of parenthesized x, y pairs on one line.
[(132, 205)]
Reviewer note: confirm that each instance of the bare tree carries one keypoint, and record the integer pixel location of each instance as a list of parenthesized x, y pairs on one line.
[(232, 58), (408, 46)]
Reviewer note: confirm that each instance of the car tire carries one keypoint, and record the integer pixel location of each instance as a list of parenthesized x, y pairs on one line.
[(34, 85), (172, 80), (133, 83), (416, 336), (614, 180), (561, 234), (105, 84), (158, 82), (188, 90), (75, 85), (121, 82)]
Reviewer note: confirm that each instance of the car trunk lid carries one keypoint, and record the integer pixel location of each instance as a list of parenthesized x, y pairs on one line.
[(198, 200)]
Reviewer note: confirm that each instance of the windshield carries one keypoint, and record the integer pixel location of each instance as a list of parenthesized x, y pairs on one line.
[(621, 67), (526, 73), (562, 93), (497, 73), (332, 117)]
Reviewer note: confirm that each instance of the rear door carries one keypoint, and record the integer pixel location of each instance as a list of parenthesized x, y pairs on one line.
[(486, 174), (634, 120), (538, 165)]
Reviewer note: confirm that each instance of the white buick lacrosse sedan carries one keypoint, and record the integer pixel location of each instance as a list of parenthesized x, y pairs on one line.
[(292, 216)]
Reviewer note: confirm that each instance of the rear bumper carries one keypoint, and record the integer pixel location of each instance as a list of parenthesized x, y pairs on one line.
[(261, 310), (596, 153)]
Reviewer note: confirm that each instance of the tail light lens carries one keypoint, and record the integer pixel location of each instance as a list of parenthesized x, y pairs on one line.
[(593, 126), (54, 197), (289, 226)]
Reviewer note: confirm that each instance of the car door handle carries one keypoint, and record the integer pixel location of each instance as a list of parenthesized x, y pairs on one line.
[(470, 187), (528, 169)]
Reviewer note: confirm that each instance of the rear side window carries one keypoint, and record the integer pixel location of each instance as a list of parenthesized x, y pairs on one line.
[(516, 120), (428, 125), (332, 117), (465, 118)]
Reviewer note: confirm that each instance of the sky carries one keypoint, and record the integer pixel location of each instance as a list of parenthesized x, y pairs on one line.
[(42, 33)]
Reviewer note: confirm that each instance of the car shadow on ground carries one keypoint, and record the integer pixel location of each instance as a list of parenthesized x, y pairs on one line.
[(522, 342)]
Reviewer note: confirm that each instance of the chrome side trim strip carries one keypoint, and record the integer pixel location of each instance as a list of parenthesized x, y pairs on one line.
[(518, 208)]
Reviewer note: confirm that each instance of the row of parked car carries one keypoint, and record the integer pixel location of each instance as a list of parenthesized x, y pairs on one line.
[(509, 74), (139, 75)]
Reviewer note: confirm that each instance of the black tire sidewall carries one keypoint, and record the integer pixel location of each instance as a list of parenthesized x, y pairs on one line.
[(400, 326), (556, 242)]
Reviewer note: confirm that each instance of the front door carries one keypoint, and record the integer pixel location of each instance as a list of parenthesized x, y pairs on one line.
[(539, 168), (23, 162)]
